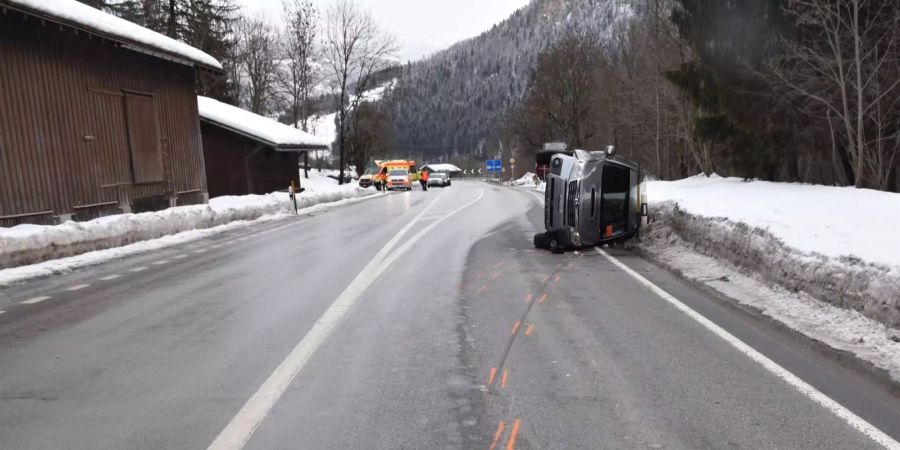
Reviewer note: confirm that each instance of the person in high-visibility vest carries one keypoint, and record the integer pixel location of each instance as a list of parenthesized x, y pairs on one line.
[(423, 178)]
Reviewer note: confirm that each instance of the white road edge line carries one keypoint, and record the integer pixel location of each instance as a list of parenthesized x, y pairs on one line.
[(858, 423), (32, 301), (240, 429), (77, 287)]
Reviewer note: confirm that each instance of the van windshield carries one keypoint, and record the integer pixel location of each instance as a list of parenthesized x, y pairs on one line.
[(398, 173)]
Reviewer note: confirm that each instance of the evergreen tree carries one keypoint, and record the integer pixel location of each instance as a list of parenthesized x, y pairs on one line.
[(735, 111)]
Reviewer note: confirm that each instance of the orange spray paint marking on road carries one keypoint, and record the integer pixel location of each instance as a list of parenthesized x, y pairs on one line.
[(529, 330), (499, 264), (529, 298), (556, 280), (516, 327), (481, 289), (503, 379), (496, 275), (546, 279), (543, 297), (498, 435), (492, 375), (511, 445)]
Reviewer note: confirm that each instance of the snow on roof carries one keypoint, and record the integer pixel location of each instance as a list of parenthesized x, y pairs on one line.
[(138, 38), (443, 167), (255, 126)]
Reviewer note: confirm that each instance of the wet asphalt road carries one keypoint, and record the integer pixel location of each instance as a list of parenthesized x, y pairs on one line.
[(465, 339)]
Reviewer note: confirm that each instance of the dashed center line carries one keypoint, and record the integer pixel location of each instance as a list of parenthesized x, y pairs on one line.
[(180, 256), (499, 434), (1, 312), (32, 301), (138, 269), (110, 277), (161, 262), (77, 287), (202, 250), (513, 434)]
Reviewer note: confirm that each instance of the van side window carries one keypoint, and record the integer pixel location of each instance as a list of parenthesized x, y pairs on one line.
[(593, 201)]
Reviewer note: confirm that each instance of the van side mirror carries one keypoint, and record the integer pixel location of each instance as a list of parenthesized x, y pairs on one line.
[(610, 150)]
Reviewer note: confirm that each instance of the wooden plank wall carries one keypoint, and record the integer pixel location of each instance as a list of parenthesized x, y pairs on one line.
[(63, 134)]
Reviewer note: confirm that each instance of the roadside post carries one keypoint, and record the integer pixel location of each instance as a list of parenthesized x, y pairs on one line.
[(512, 169), (293, 193)]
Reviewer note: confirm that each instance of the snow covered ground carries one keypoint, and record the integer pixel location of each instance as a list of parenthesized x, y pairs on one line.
[(135, 233), (527, 180), (324, 126), (832, 221)]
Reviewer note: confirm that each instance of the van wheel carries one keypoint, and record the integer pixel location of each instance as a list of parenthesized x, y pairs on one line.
[(542, 241)]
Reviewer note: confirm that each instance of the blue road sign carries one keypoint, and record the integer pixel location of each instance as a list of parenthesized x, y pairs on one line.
[(494, 165)]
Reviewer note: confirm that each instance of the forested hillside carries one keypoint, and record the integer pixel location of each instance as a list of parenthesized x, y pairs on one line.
[(456, 101)]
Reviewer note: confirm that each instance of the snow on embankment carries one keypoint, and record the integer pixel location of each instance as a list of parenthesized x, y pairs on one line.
[(527, 180), (839, 245), (30, 244)]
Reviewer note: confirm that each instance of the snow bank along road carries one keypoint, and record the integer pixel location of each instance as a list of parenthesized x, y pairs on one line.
[(412, 320)]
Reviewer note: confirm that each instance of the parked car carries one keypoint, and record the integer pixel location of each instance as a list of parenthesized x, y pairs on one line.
[(398, 179), (366, 181), (439, 179)]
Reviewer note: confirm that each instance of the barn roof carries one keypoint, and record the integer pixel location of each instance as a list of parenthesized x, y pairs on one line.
[(132, 36), (256, 127)]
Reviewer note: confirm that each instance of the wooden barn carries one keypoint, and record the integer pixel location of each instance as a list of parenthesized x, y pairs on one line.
[(250, 154), (97, 115)]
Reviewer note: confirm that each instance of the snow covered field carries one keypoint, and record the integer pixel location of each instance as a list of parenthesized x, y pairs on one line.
[(29, 244), (832, 221)]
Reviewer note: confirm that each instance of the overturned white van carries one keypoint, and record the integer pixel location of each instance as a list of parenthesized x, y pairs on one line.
[(591, 198)]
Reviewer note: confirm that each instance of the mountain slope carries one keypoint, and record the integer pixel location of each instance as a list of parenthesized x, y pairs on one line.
[(455, 102)]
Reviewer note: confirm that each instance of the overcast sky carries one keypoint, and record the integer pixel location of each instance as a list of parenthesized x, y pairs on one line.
[(423, 26)]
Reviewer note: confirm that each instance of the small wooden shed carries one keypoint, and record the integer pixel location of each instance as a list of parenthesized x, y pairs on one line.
[(97, 115), (246, 153)]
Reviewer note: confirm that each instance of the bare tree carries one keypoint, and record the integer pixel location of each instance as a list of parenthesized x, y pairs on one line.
[(297, 76), (258, 52), (567, 99), (355, 49), (841, 63), (370, 134)]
